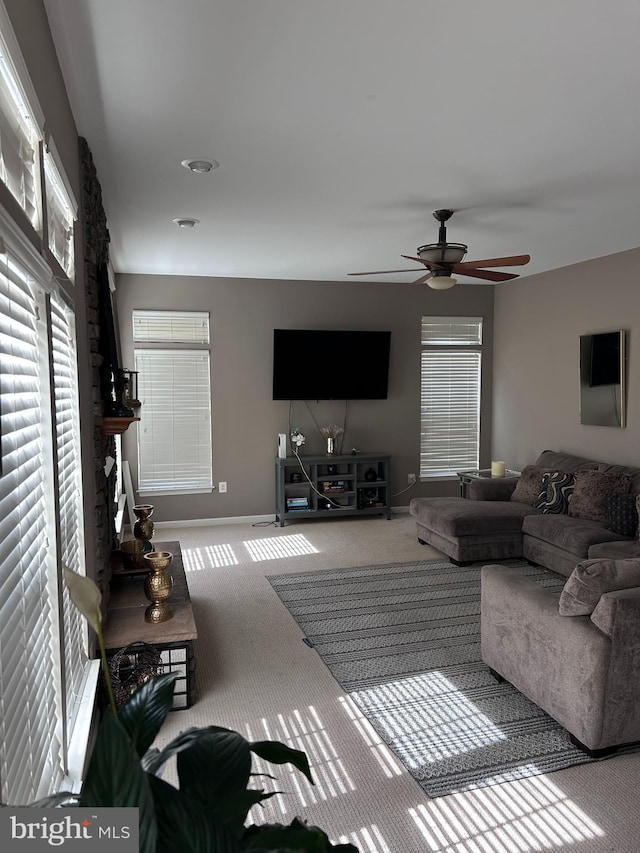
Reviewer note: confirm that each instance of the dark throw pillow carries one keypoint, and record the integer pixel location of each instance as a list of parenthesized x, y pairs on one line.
[(591, 578), (622, 514), (591, 489), (529, 484), (557, 488)]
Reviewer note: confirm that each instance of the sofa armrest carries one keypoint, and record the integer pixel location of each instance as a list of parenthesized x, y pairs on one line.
[(559, 662), (617, 615), (494, 489)]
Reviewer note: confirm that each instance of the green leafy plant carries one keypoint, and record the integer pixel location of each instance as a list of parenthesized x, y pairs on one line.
[(207, 813)]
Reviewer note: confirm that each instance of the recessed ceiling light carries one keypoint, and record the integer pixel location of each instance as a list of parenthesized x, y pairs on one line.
[(186, 221), (200, 165)]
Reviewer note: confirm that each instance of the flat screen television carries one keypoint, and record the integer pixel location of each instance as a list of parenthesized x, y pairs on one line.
[(316, 364), (604, 363)]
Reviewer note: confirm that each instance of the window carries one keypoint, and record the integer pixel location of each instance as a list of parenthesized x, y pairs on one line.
[(61, 214), (450, 395), (43, 643), (69, 491), (174, 386), (20, 127), (47, 683)]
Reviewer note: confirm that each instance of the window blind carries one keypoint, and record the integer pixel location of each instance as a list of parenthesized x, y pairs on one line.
[(175, 327), (19, 141), (31, 759), (174, 436), (69, 501), (450, 395), (60, 216)]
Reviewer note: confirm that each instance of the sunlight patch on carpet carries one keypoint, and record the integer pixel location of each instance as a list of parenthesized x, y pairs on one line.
[(389, 765), (368, 839), (532, 814), (304, 730), (449, 725), (209, 556), (274, 548)]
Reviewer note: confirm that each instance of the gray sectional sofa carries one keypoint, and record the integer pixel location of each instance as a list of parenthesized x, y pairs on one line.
[(499, 518), (576, 654), (580, 664)]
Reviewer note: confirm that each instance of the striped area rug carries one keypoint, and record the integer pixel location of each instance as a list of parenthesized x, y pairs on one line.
[(403, 641)]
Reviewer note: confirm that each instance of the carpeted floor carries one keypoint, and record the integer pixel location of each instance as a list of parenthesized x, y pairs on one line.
[(403, 640), (256, 675)]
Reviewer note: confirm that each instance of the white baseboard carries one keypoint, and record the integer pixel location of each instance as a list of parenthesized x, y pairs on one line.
[(208, 522), (237, 519)]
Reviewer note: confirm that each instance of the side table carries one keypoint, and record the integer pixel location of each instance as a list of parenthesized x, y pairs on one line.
[(465, 477), (174, 638)]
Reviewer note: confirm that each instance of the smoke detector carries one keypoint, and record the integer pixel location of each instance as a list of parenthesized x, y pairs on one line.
[(185, 221), (200, 165)]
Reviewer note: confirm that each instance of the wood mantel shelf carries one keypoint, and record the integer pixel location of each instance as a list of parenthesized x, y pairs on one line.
[(116, 426)]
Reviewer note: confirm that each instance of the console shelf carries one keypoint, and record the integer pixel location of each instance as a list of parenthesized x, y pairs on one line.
[(332, 485)]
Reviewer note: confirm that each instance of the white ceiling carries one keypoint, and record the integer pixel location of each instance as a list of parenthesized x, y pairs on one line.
[(340, 125)]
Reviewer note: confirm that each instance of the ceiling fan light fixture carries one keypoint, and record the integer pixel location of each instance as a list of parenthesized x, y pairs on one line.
[(441, 282), (200, 165), (442, 253)]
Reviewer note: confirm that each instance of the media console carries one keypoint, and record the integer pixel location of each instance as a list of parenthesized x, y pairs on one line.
[(332, 485)]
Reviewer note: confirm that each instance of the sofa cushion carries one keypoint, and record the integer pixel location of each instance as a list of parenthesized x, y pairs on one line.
[(622, 513), (461, 517), (622, 550), (557, 488), (561, 461), (591, 579), (575, 535), (590, 490), (529, 485)]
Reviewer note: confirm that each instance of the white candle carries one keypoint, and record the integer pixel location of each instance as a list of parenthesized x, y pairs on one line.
[(497, 469)]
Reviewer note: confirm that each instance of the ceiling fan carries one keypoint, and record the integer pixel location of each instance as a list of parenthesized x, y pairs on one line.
[(442, 259)]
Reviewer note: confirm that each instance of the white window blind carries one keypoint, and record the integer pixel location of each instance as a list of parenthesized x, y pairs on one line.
[(60, 216), (171, 327), (69, 505), (20, 132), (31, 758), (450, 377), (174, 387)]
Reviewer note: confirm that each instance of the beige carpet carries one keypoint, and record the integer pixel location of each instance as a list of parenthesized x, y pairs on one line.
[(255, 675)]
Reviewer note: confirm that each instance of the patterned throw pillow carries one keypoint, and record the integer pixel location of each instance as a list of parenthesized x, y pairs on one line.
[(557, 488), (591, 489), (622, 514)]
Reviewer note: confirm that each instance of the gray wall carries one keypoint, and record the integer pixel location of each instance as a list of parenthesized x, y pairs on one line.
[(538, 323), (246, 421)]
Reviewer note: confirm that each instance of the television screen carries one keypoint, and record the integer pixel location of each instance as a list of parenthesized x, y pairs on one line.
[(314, 364), (605, 359)]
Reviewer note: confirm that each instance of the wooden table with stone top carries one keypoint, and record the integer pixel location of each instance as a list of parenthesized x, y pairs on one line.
[(125, 623)]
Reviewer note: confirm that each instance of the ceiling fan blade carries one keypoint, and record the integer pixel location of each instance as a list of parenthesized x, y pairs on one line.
[(513, 261), (488, 275), (411, 258), (423, 278), (382, 272)]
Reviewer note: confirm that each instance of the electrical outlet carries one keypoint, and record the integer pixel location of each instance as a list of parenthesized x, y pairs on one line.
[(411, 478), (222, 487)]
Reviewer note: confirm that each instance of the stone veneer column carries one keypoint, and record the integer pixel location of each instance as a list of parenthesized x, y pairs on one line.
[(96, 256)]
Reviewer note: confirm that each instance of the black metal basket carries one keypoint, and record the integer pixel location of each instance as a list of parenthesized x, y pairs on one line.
[(130, 667)]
